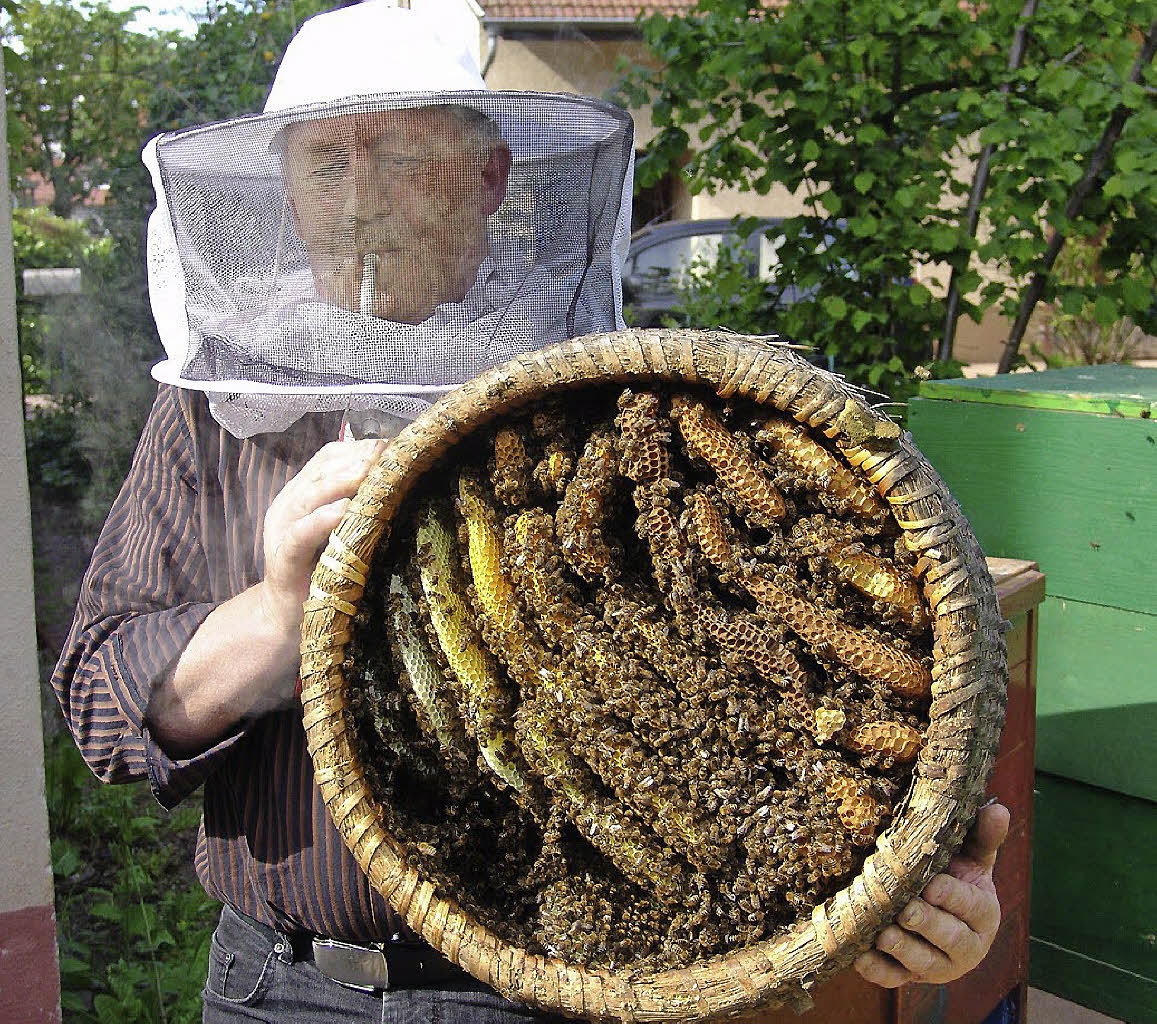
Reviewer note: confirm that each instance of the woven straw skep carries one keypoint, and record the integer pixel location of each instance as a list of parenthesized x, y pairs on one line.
[(968, 690)]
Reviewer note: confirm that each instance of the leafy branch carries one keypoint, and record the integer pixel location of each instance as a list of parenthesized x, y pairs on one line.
[(1109, 138), (869, 114)]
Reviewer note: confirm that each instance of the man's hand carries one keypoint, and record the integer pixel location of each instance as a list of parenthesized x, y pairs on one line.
[(243, 660), (300, 519), (947, 930)]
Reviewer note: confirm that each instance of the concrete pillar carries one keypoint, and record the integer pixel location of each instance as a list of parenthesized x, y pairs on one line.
[(29, 977)]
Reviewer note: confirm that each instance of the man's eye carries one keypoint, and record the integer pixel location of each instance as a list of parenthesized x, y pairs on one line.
[(330, 169), (397, 162)]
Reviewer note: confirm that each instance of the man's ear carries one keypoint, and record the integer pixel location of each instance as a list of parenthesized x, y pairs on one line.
[(292, 204), (494, 177)]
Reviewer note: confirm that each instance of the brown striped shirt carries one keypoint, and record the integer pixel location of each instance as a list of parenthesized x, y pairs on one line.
[(184, 535)]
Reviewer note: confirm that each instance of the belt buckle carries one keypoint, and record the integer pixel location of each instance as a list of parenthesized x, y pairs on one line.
[(359, 967)]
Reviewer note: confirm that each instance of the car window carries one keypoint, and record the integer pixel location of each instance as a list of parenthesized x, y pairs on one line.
[(769, 246), (769, 259), (671, 258)]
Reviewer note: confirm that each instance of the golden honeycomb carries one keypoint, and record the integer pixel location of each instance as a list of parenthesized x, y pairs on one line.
[(641, 675)]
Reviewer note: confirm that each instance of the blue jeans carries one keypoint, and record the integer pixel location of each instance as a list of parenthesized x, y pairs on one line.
[(253, 976)]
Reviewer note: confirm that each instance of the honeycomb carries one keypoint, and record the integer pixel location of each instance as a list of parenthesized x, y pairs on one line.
[(641, 675)]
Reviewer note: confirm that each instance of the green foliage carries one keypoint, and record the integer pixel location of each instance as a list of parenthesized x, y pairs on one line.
[(76, 86), (1045, 129), (132, 920), (226, 69), (101, 360), (88, 356), (40, 239), (1076, 330), (222, 71), (56, 464), (721, 292), (864, 111)]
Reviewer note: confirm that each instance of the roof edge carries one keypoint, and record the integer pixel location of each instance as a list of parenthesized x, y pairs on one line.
[(556, 22)]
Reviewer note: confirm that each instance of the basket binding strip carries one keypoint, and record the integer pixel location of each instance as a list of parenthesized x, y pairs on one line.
[(967, 710)]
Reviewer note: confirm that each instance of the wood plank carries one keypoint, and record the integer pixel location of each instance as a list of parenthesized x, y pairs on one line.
[(1017, 594), (1097, 699), (1075, 493), (1082, 979), (1005, 569), (1016, 639), (1012, 784), (1093, 896), (1113, 390), (1018, 716)]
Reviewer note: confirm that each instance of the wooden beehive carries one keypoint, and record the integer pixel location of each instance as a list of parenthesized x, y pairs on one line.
[(967, 699), (1058, 466)]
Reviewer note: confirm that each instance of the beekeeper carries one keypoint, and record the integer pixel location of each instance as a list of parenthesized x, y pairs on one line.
[(385, 230)]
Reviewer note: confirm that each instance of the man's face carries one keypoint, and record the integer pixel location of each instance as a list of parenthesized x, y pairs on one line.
[(413, 187)]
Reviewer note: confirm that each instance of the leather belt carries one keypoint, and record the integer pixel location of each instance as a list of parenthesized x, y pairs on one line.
[(376, 966)]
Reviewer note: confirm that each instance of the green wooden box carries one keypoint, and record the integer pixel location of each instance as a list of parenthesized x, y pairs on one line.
[(1061, 467), (1093, 926)]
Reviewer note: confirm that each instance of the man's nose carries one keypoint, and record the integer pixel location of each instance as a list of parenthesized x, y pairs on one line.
[(369, 193)]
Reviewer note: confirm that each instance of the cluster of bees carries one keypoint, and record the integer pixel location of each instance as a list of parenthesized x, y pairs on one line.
[(641, 675)]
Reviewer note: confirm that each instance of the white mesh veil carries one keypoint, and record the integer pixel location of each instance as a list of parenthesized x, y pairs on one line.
[(372, 251)]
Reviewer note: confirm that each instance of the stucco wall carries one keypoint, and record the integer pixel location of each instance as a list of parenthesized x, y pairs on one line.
[(29, 983), (567, 61)]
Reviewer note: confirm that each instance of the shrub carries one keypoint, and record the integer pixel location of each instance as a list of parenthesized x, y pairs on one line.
[(133, 923)]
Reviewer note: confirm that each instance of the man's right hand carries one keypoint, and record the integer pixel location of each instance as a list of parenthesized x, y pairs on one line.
[(242, 662), (301, 518)]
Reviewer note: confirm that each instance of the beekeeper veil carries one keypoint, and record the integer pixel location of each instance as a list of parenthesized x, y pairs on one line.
[(387, 229)]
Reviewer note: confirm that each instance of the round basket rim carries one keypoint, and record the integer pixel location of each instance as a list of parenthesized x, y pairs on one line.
[(968, 694)]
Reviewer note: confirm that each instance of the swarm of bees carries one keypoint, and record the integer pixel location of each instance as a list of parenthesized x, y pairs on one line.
[(641, 675)]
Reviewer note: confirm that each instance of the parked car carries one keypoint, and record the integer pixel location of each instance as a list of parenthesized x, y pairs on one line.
[(662, 255)]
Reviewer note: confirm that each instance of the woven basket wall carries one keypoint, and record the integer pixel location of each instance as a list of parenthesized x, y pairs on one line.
[(967, 706)]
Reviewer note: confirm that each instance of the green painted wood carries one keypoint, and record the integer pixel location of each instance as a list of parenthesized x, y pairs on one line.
[(1094, 902), (1074, 492), (1120, 995), (1097, 696), (1113, 390)]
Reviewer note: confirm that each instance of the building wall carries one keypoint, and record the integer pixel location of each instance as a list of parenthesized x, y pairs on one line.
[(29, 980), (567, 60), (589, 64)]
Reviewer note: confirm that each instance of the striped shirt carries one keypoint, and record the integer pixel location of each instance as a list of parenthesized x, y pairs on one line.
[(184, 535)]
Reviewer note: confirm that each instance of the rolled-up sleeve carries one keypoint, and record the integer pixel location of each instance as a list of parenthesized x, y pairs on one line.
[(146, 592)]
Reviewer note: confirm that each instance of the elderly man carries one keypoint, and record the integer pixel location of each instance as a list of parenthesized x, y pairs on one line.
[(357, 249)]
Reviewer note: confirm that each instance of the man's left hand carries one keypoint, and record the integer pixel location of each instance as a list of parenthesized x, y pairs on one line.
[(947, 930)]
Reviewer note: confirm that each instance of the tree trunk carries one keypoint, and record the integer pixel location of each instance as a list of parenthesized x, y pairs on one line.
[(1080, 193), (62, 197), (979, 185)]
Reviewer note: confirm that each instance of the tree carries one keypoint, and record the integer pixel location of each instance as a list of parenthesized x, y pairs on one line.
[(76, 90), (872, 111), (223, 70), (227, 67), (39, 240)]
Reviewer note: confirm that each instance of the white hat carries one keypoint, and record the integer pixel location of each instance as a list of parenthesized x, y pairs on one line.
[(371, 48)]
